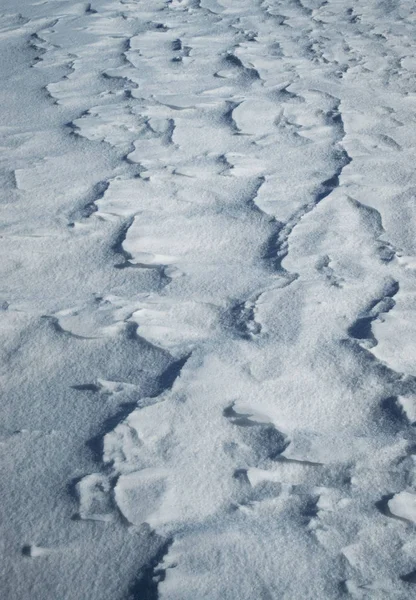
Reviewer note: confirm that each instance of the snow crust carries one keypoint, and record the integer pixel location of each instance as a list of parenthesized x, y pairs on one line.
[(208, 299)]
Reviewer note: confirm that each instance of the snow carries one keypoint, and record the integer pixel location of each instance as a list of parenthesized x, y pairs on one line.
[(404, 505), (208, 298)]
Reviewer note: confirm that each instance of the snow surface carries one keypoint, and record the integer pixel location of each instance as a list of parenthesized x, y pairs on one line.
[(208, 299)]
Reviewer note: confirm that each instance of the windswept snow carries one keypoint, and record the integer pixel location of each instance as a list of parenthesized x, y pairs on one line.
[(208, 299)]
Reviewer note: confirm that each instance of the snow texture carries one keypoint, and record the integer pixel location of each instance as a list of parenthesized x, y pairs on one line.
[(208, 299)]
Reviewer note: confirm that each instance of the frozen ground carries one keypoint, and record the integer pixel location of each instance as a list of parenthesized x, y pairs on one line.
[(208, 299)]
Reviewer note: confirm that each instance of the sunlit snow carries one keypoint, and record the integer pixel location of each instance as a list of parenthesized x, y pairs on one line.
[(208, 299)]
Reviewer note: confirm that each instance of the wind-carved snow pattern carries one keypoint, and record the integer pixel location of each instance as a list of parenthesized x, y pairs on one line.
[(248, 332)]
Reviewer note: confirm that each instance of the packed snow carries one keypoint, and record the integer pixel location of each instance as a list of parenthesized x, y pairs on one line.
[(208, 299)]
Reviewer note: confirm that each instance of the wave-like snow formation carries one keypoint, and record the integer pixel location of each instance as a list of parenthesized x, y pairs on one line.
[(208, 299)]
